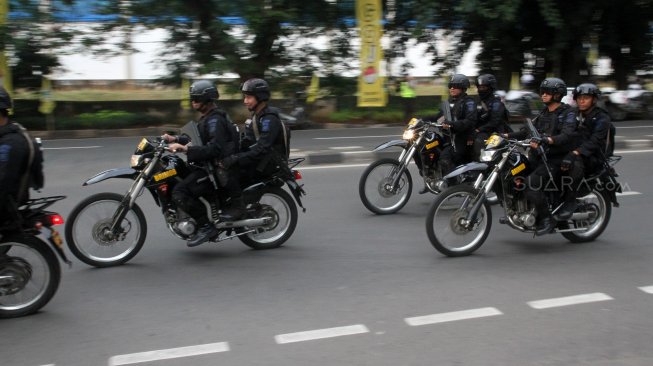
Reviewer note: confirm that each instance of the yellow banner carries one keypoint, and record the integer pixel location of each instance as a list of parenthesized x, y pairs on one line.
[(47, 100), (313, 89), (5, 71), (371, 90)]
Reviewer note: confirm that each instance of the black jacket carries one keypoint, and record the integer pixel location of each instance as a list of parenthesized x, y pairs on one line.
[(270, 139), (493, 116), (464, 113), (592, 134), (219, 138), (14, 155), (560, 125)]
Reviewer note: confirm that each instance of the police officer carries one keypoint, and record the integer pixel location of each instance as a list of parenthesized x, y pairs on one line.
[(493, 116), (556, 125), (408, 96), (264, 146), (464, 115), (589, 152), (219, 140), (14, 160)]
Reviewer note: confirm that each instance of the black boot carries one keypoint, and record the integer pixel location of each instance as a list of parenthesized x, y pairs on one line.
[(206, 232), (234, 211), (546, 225), (564, 213)]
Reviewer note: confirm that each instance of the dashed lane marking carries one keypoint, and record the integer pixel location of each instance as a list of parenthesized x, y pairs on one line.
[(352, 137), (619, 152), (320, 334), (452, 316), (345, 147), (647, 289), (71, 147), (629, 193), (166, 354), (569, 300)]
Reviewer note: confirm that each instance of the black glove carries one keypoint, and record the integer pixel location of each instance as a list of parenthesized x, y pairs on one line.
[(542, 140), (229, 161), (568, 161)]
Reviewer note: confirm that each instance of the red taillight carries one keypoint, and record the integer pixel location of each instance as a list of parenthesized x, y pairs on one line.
[(297, 174), (55, 219), (163, 189)]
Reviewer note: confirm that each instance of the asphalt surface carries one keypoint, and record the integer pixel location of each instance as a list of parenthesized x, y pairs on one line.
[(349, 287)]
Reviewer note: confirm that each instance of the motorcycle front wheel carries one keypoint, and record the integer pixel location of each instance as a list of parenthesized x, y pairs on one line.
[(29, 276), (89, 237), (375, 191), (444, 222), (277, 205)]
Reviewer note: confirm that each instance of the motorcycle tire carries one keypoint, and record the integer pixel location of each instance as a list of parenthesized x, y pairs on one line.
[(597, 227), (279, 205), (86, 238), (48, 281), (372, 192), (443, 236)]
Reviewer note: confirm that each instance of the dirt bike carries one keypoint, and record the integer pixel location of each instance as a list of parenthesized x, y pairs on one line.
[(108, 229), (29, 269), (386, 184), (460, 218)]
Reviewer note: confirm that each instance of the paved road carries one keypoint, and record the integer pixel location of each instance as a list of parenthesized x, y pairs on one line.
[(349, 288)]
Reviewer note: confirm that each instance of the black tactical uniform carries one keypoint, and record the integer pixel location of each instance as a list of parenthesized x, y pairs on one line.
[(492, 113)]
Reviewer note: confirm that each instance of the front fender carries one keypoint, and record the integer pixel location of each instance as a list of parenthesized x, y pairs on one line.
[(128, 173), (401, 143), (474, 166)]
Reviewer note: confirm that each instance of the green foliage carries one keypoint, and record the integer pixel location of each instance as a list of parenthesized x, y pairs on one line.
[(375, 115), (106, 119)]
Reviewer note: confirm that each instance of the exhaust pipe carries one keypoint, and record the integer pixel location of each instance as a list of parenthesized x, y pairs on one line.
[(242, 223)]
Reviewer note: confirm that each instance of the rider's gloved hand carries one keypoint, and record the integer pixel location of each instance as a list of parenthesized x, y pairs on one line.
[(228, 161), (568, 161), (169, 138)]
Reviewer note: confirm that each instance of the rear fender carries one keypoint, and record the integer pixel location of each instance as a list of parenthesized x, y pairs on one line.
[(128, 173)]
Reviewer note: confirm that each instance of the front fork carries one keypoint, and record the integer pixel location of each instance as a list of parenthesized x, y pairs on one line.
[(129, 199), (404, 159)]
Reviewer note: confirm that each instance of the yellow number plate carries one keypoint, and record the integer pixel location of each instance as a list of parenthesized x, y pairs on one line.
[(142, 144), (164, 175), (518, 169), (432, 144), (56, 239)]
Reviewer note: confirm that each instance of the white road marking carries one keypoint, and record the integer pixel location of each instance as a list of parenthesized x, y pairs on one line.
[(647, 289), (345, 147), (352, 137), (569, 300), (619, 127), (452, 316), (619, 152), (166, 354), (647, 140), (629, 193), (314, 167), (321, 334), (71, 147)]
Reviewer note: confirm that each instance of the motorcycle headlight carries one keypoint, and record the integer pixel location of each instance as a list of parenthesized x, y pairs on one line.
[(488, 155), (136, 161), (408, 134)]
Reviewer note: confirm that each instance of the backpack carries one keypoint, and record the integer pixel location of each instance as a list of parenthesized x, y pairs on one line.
[(284, 129), (609, 143), (33, 177)]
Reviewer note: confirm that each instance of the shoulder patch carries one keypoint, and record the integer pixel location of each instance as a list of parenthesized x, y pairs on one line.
[(265, 125), (4, 152), (212, 124)]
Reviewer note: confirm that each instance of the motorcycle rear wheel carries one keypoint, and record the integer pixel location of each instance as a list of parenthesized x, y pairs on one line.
[(372, 187), (281, 208), (443, 226), (87, 227), (33, 274), (599, 202)]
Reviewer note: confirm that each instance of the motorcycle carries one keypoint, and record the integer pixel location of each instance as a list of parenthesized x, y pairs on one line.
[(386, 184), (109, 229), (460, 218), (29, 269)]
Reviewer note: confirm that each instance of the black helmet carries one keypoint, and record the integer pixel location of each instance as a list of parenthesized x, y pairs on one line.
[(203, 91), (488, 80), (587, 89), (258, 88), (459, 81), (5, 99), (554, 86)]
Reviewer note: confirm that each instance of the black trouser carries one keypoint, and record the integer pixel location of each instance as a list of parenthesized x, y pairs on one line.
[(479, 144), (451, 158), (565, 183), (187, 193)]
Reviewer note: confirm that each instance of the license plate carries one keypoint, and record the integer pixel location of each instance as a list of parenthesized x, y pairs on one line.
[(164, 175), (56, 238), (518, 169), (432, 144)]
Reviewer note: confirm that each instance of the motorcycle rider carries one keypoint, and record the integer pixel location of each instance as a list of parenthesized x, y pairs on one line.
[(493, 115), (219, 140), (589, 152), (556, 125), (14, 162), (464, 115), (264, 146)]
